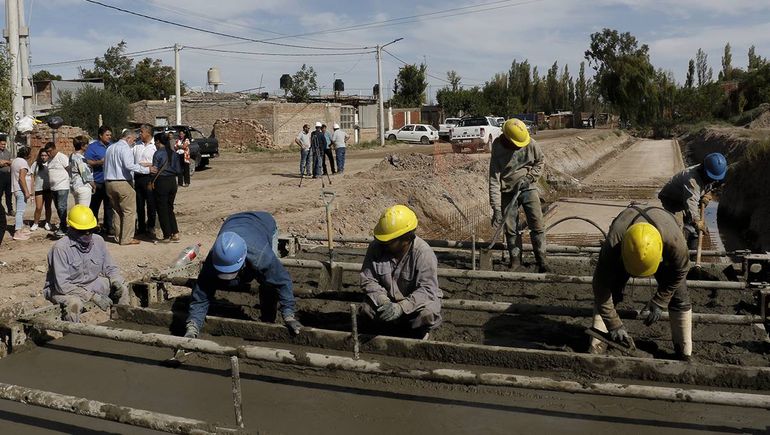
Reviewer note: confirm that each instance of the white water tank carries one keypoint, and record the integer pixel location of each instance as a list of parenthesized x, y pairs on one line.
[(214, 79)]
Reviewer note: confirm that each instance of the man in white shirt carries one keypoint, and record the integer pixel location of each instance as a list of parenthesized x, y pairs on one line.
[(338, 141), (119, 167), (145, 200), (59, 180), (303, 140)]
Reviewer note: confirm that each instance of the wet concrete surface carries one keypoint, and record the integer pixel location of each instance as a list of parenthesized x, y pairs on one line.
[(280, 399)]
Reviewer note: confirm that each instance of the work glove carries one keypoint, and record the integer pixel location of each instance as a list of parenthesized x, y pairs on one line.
[(102, 301), (119, 288), (700, 226), (497, 218), (620, 335), (292, 324), (706, 199), (192, 330), (655, 313), (390, 312)]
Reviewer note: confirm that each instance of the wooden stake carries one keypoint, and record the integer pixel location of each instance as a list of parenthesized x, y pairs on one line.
[(237, 398), (354, 327)]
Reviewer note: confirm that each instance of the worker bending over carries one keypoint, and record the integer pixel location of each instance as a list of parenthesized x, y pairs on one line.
[(514, 169), (80, 269), (399, 275), (690, 191), (245, 250), (643, 242)]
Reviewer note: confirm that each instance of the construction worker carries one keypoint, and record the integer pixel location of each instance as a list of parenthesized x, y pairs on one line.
[(690, 191), (514, 168), (245, 250), (643, 242), (317, 145), (399, 275), (80, 269)]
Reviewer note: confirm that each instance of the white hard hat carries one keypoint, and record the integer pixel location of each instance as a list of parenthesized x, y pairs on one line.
[(318, 124), (336, 126)]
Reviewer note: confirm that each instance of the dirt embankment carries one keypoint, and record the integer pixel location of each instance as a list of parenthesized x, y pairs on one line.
[(745, 200)]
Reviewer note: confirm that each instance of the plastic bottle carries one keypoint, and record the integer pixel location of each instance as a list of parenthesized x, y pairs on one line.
[(187, 255)]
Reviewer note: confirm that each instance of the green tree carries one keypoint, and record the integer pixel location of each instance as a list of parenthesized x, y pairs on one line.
[(690, 74), (538, 98), (149, 79), (462, 101), (581, 89), (454, 80), (566, 95), (83, 109), (303, 82), (409, 86), (497, 96), (6, 91), (552, 89), (727, 64), (624, 73), (702, 70), (44, 75), (753, 58)]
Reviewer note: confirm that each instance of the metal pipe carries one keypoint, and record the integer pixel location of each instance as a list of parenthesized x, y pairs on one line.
[(521, 276), (235, 373), (555, 249), (108, 411), (453, 376), (354, 330)]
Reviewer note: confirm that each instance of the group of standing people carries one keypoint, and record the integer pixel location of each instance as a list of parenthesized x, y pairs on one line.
[(319, 146), (135, 180)]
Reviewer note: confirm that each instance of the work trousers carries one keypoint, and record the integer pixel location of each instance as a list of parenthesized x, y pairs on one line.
[(317, 161), (145, 203), (60, 198), (123, 200), (99, 197), (82, 195), (184, 175), (529, 200), (304, 163), (73, 301), (340, 159), (3, 223), (328, 155), (5, 190), (416, 323), (21, 206), (165, 195)]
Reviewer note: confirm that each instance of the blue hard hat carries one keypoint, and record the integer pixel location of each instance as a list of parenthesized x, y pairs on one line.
[(715, 165), (228, 253)]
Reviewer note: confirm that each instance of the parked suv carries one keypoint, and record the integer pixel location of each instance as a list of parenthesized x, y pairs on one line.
[(202, 148)]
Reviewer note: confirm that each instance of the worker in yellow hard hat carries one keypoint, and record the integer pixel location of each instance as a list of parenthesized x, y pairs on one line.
[(644, 242), (399, 276), (514, 170), (81, 270)]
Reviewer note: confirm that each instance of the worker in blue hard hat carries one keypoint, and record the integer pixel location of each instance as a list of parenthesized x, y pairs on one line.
[(690, 191), (245, 250)]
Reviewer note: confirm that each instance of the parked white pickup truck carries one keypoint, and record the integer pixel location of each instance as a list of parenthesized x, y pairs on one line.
[(475, 133), (443, 129)]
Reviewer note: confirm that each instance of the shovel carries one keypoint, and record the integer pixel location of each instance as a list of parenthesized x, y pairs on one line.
[(331, 275), (629, 349)]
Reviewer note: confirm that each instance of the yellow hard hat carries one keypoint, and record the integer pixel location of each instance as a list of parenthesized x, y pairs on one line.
[(516, 131), (395, 222), (81, 217), (642, 249)]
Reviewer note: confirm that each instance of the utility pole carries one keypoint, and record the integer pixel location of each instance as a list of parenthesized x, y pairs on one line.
[(26, 80), (177, 84), (380, 105), (12, 36)]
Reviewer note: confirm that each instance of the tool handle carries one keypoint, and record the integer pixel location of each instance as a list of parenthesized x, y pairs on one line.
[(700, 239)]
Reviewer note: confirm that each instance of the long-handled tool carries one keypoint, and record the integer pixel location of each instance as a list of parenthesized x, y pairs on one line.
[(700, 237), (512, 206), (629, 349), (331, 276), (328, 198)]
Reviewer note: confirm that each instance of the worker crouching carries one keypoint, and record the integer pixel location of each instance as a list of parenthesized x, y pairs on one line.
[(643, 243), (399, 276), (80, 269)]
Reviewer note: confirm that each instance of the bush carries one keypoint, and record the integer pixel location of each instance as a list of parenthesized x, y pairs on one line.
[(83, 109)]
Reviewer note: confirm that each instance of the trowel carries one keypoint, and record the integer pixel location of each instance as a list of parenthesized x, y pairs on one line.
[(629, 349), (180, 357)]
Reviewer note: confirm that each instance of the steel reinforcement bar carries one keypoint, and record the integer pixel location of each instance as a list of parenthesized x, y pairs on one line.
[(446, 375)]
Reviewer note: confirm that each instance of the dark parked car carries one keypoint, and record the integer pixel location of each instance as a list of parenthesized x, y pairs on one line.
[(202, 148)]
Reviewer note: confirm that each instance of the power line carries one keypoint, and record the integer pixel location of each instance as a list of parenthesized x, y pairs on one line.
[(277, 54), (91, 59), (426, 73), (213, 32)]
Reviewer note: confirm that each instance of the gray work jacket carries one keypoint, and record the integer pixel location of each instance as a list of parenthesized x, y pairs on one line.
[(507, 166)]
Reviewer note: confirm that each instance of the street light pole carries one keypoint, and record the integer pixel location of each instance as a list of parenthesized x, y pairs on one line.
[(380, 104), (178, 86)]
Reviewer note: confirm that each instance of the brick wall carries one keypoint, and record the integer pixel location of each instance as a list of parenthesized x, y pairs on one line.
[(282, 120), (41, 135)]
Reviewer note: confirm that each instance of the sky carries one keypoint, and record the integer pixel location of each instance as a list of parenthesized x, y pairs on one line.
[(476, 38)]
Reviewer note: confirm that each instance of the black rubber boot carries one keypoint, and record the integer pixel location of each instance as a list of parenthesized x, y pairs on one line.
[(538, 246), (513, 251)]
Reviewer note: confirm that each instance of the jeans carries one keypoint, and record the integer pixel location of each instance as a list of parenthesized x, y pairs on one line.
[(304, 162), (144, 197), (5, 189), (60, 201), (165, 195), (21, 205), (184, 176), (340, 159), (96, 201)]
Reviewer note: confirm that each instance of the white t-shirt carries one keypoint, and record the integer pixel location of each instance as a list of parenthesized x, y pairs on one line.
[(304, 139), (338, 138), (16, 166), (58, 172)]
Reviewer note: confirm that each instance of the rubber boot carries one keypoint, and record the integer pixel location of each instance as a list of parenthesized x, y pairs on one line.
[(681, 333), (598, 346), (538, 246), (513, 251)]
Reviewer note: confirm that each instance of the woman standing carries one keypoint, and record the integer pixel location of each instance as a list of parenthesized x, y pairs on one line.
[(165, 168), (183, 149), (22, 190), (43, 196), (82, 183)]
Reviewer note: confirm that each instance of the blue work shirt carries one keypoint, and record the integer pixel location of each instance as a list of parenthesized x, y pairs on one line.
[(159, 160), (328, 138), (258, 229), (96, 151)]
